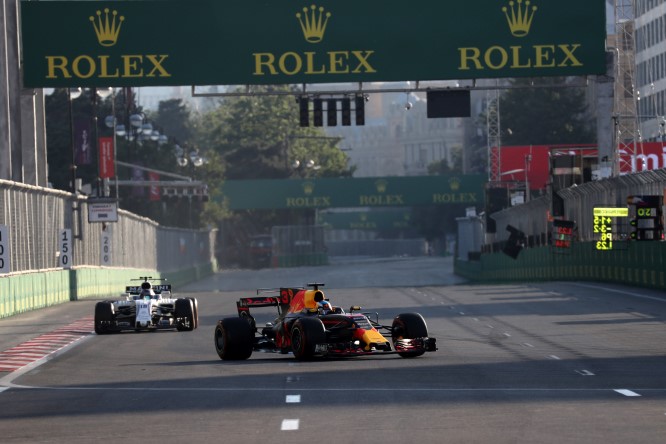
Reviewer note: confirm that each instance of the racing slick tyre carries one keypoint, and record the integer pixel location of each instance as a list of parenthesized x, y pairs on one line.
[(184, 312), (195, 308), (103, 317), (233, 339), (306, 333), (409, 326)]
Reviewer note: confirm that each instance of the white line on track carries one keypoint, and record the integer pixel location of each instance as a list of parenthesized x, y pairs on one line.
[(626, 392), (320, 389), (613, 290), (556, 358), (293, 399), (585, 372), (2, 389), (289, 424)]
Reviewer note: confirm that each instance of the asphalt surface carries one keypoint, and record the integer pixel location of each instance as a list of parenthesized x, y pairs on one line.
[(546, 363)]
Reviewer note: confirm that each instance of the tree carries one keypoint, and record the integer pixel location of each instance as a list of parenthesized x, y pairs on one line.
[(545, 115), (173, 118), (259, 137), (59, 135)]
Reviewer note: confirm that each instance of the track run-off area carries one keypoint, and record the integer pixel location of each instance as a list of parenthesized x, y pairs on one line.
[(521, 363)]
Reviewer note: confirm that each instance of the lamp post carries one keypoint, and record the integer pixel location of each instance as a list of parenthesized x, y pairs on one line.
[(72, 93)]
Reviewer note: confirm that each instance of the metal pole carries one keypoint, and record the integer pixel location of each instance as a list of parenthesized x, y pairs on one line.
[(72, 143)]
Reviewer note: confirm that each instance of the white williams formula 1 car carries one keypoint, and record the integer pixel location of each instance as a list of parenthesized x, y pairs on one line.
[(146, 307)]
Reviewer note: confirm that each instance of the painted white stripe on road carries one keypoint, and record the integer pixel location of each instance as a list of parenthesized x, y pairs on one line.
[(289, 424), (2, 389), (293, 399), (626, 392), (557, 358), (636, 295), (585, 372)]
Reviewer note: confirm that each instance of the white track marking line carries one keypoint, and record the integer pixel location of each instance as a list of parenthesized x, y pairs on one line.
[(293, 399), (289, 424), (585, 372), (2, 389), (556, 358), (626, 392), (637, 295)]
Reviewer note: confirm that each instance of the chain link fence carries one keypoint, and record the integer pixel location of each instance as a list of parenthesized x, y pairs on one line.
[(32, 220), (578, 204)]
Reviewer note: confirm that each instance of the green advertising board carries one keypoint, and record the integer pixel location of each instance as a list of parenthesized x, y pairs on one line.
[(363, 192), (385, 219), (216, 42)]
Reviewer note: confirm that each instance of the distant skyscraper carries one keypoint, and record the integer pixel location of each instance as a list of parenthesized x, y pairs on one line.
[(651, 67)]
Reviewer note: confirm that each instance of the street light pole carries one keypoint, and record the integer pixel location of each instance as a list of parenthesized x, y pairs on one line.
[(72, 141)]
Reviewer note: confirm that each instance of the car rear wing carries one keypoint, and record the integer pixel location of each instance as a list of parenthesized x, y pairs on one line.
[(281, 300), (261, 301), (136, 289)]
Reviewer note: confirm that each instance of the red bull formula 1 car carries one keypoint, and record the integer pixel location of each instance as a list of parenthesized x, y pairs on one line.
[(308, 326)]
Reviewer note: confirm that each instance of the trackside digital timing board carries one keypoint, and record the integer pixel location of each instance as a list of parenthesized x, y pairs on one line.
[(605, 226)]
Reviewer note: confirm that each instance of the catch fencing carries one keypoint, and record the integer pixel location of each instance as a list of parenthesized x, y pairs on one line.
[(578, 202), (32, 220)]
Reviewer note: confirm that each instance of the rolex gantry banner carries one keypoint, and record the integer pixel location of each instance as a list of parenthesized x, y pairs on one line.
[(217, 42), (466, 189)]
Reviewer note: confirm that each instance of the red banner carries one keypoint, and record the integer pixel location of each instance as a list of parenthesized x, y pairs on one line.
[(106, 163), (536, 159), (154, 189)]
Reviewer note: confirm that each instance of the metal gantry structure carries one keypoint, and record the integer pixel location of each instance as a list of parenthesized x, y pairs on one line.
[(493, 129), (626, 137)]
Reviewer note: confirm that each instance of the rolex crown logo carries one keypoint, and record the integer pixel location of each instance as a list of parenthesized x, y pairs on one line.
[(107, 28), (519, 17), (381, 185), (313, 23), (454, 183), (308, 188)]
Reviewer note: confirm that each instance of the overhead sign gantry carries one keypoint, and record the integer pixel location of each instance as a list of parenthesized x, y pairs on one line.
[(210, 42)]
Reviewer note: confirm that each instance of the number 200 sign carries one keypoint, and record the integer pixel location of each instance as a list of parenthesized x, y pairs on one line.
[(4, 249), (66, 248)]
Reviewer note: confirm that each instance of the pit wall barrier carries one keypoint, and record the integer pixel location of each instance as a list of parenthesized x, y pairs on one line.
[(639, 264), (28, 291)]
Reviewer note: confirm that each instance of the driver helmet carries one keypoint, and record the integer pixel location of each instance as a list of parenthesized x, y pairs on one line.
[(147, 292), (325, 306)]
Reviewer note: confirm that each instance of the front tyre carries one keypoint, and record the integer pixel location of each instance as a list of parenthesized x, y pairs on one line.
[(104, 315), (306, 334), (195, 309), (184, 313), (233, 339), (409, 326)]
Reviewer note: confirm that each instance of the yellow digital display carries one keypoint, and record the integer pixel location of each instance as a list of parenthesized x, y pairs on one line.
[(612, 212), (603, 225)]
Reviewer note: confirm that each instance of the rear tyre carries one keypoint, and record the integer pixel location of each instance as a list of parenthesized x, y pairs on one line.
[(306, 333), (195, 309), (409, 326), (184, 313), (233, 339), (103, 317)]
